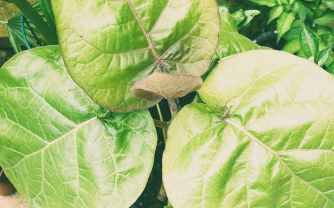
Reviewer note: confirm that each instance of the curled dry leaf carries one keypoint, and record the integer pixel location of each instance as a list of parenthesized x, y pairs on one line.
[(162, 85)]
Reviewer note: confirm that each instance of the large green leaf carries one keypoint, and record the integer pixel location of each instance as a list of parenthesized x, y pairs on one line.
[(266, 141), (58, 148), (230, 41), (108, 46)]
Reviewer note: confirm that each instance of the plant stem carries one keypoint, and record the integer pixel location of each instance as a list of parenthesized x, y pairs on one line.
[(173, 110), (161, 124), (162, 196), (37, 20), (266, 37), (173, 107)]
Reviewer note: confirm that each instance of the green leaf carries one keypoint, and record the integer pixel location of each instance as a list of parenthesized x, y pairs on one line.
[(324, 31), (263, 138), (292, 46), (224, 7), (291, 2), (245, 17), (274, 13), (308, 42), (14, 30), (300, 9), (317, 2), (228, 23), (330, 68), (283, 2), (230, 41), (37, 20), (324, 56), (109, 46), (284, 23), (250, 14), (239, 16), (293, 33), (269, 3), (47, 11), (58, 148), (330, 4), (325, 19)]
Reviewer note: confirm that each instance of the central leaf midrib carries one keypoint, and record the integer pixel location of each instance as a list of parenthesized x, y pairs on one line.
[(55, 141), (254, 139), (150, 44)]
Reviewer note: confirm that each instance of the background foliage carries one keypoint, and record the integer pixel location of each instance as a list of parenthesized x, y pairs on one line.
[(301, 27)]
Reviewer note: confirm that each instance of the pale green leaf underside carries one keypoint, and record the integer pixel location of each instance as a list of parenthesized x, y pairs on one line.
[(55, 149), (276, 150), (110, 45)]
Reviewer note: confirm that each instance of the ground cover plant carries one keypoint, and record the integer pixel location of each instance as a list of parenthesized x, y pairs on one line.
[(176, 103)]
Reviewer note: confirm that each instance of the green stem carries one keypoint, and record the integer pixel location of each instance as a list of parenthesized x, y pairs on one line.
[(159, 124), (37, 20), (265, 37)]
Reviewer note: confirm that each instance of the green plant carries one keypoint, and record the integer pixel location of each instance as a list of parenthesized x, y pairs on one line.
[(75, 130), (230, 41), (306, 27)]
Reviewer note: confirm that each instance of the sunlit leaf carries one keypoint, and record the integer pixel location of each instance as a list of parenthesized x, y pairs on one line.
[(274, 13), (59, 148), (284, 23), (262, 138), (324, 56), (308, 42), (109, 46), (269, 3)]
